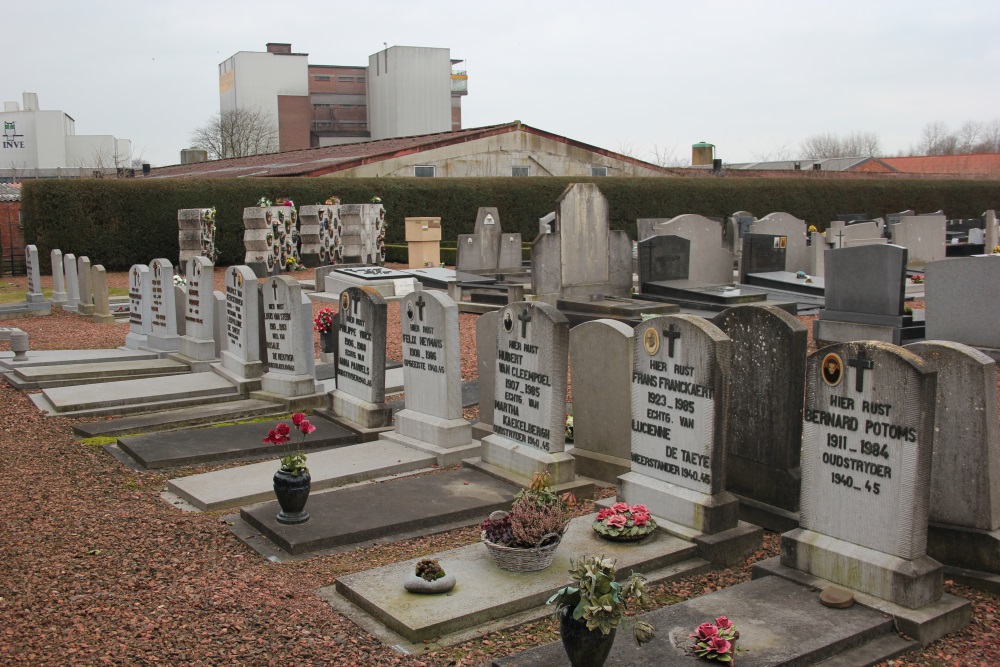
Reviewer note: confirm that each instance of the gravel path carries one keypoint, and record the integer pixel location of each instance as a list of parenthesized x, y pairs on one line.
[(96, 569)]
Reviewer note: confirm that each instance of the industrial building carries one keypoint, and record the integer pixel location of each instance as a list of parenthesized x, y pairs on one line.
[(40, 143), (403, 91)]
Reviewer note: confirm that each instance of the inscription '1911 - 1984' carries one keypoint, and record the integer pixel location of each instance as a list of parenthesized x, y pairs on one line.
[(523, 405)]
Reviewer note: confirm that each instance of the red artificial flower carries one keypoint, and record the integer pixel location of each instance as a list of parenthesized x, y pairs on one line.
[(705, 631), (283, 429), (616, 521), (640, 519), (640, 509), (723, 623), (604, 514), (298, 418), (306, 427), (719, 645), (620, 507)]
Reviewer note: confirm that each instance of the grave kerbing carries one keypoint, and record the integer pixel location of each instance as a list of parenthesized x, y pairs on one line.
[(432, 375)]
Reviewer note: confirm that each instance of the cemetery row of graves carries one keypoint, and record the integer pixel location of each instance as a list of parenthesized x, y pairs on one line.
[(688, 367)]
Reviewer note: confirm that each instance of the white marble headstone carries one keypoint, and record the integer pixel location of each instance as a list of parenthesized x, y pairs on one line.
[(287, 338), (361, 345), (163, 307), (72, 284), (34, 293), (58, 277), (139, 311), (432, 368)]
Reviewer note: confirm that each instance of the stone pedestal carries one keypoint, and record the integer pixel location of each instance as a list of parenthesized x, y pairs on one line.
[(353, 410)]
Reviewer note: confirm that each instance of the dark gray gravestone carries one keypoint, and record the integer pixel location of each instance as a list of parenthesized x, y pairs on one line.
[(486, 355), (680, 389), (666, 257), (360, 393), (763, 253), (866, 469), (529, 404), (866, 279), (764, 428), (600, 355), (965, 475)]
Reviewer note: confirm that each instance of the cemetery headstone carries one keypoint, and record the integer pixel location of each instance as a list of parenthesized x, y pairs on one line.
[(680, 390), (664, 257), (529, 404), (102, 305), (488, 249), (600, 355), (763, 253), (361, 334), (432, 376), (764, 428), (72, 285), (958, 308), (58, 278), (34, 292), (486, 359), (964, 529), (923, 236), (287, 338), (868, 437), (140, 316), (86, 306), (163, 336), (991, 236), (711, 263), (198, 342), (794, 231), (241, 360), (196, 234)]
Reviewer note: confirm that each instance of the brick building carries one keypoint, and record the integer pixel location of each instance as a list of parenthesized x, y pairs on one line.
[(11, 236)]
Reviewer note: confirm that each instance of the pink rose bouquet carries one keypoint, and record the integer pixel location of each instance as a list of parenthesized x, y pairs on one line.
[(716, 641), (624, 522)]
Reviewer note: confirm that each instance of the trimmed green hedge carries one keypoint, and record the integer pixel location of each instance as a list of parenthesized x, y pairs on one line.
[(121, 222)]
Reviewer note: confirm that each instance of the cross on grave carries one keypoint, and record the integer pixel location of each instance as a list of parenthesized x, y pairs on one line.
[(233, 273), (420, 303), (672, 334), (274, 286), (355, 298), (525, 318), (840, 239), (861, 364)]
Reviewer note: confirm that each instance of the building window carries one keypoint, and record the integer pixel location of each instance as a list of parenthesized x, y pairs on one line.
[(598, 171), (520, 171), (346, 78), (321, 78), (423, 171)]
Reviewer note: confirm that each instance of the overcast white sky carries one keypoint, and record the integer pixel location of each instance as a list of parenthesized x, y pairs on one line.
[(751, 77)]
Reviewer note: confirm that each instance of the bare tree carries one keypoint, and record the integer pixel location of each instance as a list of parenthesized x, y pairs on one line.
[(936, 139), (779, 154), (969, 136), (858, 144), (237, 132), (667, 157), (991, 137)]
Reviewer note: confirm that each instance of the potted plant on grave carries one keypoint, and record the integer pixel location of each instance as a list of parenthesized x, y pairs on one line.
[(592, 608), (624, 523), (324, 323), (525, 539), (292, 481), (429, 577), (716, 641)]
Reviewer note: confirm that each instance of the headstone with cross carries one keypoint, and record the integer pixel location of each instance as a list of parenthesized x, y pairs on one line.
[(288, 339), (163, 308), (488, 249), (34, 291), (139, 311), (793, 229), (241, 362), (680, 393), (529, 403), (359, 399), (198, 341), (432, 376), (868, 437)]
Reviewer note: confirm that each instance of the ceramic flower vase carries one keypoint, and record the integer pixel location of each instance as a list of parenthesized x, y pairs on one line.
[(585, 648), (292, 492), (328, 341)]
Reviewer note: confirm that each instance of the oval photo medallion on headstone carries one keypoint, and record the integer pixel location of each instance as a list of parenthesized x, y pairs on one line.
[(345, 300), (409, 310), (508, 321), (833, 369), (651, 341)]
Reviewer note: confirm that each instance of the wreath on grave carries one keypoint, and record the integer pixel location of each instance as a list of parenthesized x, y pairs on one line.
[(624, 523)]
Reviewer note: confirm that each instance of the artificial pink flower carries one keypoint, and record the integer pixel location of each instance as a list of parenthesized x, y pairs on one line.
[(616, 521), (283, 429), (639, 509), (306, 427), (723, 623), (298, 417), (719, 645), (640, 519), (275, 438), (620, 507), (604, 514), (705, 631)]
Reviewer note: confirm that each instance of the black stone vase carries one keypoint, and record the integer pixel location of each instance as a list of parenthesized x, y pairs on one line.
[(328, 341), (292, 492), (585, 648)]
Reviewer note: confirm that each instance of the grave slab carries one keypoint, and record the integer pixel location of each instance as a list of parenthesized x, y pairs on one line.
[(135, 392), (171, 419), (43, 377), (780, 623), (421, 502), (224, 443), (235, 487), (60, 357), (486, 593)]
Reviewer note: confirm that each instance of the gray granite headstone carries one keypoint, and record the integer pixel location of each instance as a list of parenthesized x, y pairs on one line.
[(794, 231), (287, 339), (664, 257), (866, 279), (361, 338), (965, 472), (957, 302), (163, 308), (479, 251), (34, 292), (868, 438), (764, 428), (86, 306), (241, 354), (680, 389), (72, 284), (198, 342), (711, 260), (763, 253), (140, 316), (486, 355), (600, 355), (58, 278), (102, 306), (991, 231), (529, 402), (923, 236)]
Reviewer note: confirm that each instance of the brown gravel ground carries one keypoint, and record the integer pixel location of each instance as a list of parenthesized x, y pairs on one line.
[(95, 569)]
